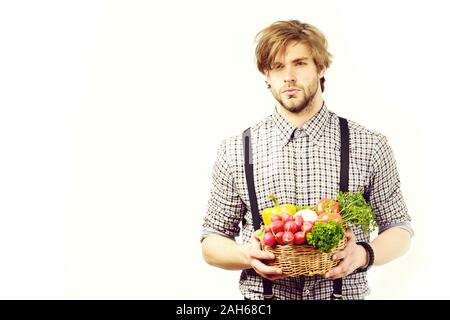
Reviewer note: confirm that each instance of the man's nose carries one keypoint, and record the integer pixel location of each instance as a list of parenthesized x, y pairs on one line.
[(289, 77)]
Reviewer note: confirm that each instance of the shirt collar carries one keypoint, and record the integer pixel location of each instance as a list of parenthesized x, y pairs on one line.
[(313, 127)]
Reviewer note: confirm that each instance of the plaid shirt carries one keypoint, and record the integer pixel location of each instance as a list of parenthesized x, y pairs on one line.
[(301, 166)]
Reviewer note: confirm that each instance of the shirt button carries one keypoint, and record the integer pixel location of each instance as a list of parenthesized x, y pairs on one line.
[(298, 133)]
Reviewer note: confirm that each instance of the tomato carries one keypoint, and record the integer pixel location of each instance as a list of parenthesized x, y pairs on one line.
[(290, 226), (269, 239), (336, 216), (327, 206), (325, 217), (288, 237), (299, 237), (279, 237), (277, 226)]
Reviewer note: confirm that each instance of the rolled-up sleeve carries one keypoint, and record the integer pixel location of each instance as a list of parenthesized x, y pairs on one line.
[(384, 192), (225, 207)]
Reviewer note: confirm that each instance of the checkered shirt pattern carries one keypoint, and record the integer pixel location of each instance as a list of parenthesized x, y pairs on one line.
[(301, 166)]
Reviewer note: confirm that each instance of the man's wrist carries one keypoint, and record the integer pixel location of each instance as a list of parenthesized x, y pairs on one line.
[(370, 256), (245, 249), (365, 257)]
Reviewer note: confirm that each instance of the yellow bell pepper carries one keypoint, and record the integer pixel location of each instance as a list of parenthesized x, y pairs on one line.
[(277, 209)]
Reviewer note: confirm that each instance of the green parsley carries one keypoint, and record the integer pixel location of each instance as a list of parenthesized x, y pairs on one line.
[(356, 212), (326, 236)]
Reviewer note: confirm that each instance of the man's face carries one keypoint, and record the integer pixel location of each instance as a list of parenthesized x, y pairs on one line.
[(294, 78)]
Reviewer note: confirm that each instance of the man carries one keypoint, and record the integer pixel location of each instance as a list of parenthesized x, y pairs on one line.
[(296, 154)]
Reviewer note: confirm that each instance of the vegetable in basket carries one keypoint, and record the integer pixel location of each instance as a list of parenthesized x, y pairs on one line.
[(291, 231), (325, 233), (328, 209), (277, 210), (326, 236), (355, 211)]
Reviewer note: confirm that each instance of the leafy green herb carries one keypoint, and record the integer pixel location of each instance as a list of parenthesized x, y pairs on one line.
[(326, 236), (356, 212), (304, 207)]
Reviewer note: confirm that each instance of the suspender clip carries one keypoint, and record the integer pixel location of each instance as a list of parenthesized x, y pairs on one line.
[(268, 296), (336, 296)]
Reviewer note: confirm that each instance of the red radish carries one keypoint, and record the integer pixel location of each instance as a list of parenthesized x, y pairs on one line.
[(279, 237), (288, 237), (299, 237), (290, 226), (277, 226), (307, 226), (298, 221), (275, 217), (287, 217), (269, 239), (268, 229)]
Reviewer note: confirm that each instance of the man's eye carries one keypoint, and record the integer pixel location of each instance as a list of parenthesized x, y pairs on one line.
[(278, 67), (301, 63)]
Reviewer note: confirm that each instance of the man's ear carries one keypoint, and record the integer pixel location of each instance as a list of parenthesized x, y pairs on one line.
[(266, 74), (322, 72)]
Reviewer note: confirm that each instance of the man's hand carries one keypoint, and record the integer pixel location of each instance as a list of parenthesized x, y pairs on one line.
[(255, 255), (352, 257)]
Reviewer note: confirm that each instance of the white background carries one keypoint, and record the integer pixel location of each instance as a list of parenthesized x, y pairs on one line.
[(111, 113)]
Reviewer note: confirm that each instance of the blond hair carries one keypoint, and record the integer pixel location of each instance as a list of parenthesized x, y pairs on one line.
[(274, 39)]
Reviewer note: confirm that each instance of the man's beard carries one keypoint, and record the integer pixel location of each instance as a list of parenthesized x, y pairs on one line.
[(296, 107)]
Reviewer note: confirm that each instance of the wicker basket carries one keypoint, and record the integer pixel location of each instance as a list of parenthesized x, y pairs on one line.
[(303, 260)]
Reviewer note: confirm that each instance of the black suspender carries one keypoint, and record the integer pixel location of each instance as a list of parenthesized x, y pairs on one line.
[(343, 186), (343, 183), (345, 152), (267, 284)]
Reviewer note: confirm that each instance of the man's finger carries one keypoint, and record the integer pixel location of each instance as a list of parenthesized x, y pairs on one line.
[(261, 268), (346, 251), (255, 235), (261, 255), (340, 255), (256, 251), (333, 272), (349, 234), (255, 240), (337, 276), (272, 278)]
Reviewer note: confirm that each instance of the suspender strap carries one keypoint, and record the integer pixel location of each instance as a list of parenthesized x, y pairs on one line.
[(343, 185), (246, 136), (345, 151), (250, 179)]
